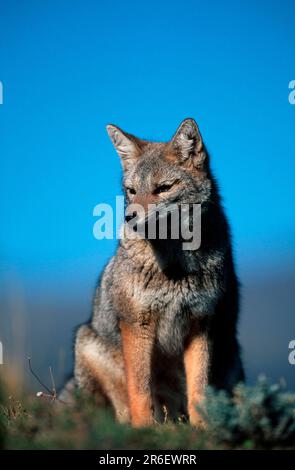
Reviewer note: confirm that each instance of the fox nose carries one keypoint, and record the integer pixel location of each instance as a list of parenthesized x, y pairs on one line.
[(129, 217)]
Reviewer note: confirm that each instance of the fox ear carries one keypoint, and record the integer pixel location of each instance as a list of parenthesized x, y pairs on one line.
[(127, 146), (187, 143)]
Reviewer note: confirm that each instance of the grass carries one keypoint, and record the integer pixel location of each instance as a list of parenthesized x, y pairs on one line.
[(257, 417)]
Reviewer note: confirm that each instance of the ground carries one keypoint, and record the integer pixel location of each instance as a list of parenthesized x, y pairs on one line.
[(257, 417)]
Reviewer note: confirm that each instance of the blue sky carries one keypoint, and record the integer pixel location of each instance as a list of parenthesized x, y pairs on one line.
[(68, 68)]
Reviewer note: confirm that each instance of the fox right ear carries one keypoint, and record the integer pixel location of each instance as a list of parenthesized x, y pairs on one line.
[(187, 143), (127, 146)]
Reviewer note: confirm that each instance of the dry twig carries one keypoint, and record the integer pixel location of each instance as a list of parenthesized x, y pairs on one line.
[(51, 394)]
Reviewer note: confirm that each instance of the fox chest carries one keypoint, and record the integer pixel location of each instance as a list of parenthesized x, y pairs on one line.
[(173, 305)]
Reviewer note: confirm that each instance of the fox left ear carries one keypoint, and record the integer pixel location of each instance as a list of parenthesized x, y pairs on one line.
[(187, 143), (128, 146)]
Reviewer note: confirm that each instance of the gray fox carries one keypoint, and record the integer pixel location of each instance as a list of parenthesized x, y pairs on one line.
[(164, 319)]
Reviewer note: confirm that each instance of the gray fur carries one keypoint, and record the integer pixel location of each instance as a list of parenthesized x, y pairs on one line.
[(157, 281)]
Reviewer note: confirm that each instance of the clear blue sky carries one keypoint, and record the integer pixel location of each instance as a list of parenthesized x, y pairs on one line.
[(70, 67)]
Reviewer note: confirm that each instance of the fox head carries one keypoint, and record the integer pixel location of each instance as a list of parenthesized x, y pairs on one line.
[(157, 173)]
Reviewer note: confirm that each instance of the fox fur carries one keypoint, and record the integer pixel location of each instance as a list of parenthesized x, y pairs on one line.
[(164, 323)]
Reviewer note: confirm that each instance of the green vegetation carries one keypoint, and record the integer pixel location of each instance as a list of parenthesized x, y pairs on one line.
[(2, 420), (261, 416)]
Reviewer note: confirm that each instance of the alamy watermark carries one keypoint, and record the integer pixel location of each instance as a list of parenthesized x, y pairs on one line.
[(154, 222), (1, 353), (291, 357), (292, 93)]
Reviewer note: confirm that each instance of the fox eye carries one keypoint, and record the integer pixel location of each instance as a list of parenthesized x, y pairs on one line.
[(131, 190), (163, 188)]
